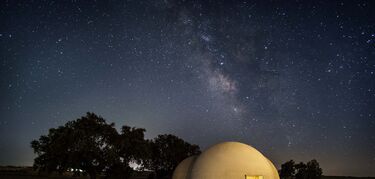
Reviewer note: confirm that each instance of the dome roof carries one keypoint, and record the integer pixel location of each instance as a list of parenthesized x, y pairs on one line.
[(274, 170), (183, 170), (226, 160)]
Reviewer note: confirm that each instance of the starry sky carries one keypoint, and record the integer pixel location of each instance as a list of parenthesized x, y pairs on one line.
[(294, 79)]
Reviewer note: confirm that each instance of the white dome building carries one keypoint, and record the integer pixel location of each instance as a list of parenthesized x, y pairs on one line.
[(228, 160)]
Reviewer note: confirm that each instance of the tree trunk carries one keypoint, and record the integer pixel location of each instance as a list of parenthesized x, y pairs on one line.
[(92, 175)]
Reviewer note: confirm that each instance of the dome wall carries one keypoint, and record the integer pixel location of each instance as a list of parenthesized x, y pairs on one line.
[(228, 160), (183, 170), (274, 170)]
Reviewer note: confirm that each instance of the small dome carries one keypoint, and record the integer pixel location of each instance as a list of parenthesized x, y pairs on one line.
[(183, 170), (228, 160)]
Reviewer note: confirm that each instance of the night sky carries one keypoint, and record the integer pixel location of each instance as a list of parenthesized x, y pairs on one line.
[(294, 79)]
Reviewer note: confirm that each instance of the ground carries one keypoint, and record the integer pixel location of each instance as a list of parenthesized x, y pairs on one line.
[(10, 172)]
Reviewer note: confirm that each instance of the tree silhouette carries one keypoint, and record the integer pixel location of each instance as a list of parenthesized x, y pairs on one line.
[(287, 170), (311, 170), (86, 144), (301, 171), (130, 146), (167, 151), (92, 145)]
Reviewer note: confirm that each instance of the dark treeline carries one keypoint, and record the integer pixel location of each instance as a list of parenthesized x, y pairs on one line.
[(292, 170), (91, 146)]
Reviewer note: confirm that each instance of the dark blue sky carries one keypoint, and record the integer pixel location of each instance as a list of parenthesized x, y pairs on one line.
[(296, 79)]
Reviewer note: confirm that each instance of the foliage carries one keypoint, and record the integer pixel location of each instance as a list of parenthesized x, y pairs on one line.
[(311, 170), (167, 151), (130, 146), (85, 144), (92, 145), (287, 170), (301, 171)]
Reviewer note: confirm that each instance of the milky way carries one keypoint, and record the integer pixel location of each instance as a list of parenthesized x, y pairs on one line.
[(296, 80)]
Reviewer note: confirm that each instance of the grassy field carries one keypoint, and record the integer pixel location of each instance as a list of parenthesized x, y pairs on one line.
[(10, 172), (345, 177)]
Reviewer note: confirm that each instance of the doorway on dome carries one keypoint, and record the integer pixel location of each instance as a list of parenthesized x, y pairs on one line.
[(253, 177)]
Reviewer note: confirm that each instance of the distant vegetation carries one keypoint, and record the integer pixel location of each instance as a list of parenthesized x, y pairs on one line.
[(291, 170), (90, 146)]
